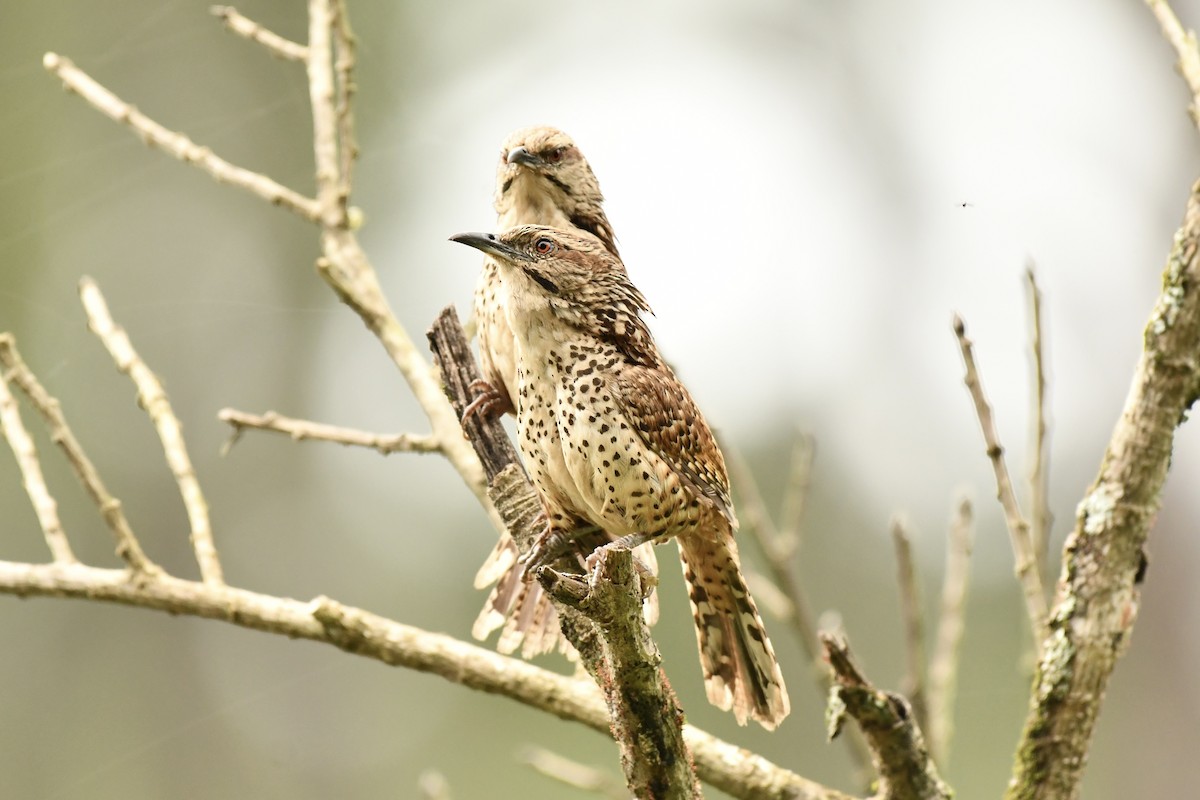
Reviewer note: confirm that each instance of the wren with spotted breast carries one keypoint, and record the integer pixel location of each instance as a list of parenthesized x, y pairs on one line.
[(611, 438)]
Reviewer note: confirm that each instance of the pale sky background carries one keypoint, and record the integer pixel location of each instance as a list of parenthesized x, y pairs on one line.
[(805, 191)]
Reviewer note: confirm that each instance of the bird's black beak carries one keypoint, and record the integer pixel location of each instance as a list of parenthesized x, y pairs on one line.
[(490, 244), (519, 155)]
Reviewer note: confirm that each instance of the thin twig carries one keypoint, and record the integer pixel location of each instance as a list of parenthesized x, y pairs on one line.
[(323, 95), (777, 555), (1039, 471), (303, 429), (906, 771), (44, 505), (1184, 42), (1018, 529), (943, 665), (347, 45), (177, 144), (249, 29), (153, 398), (727, 767), (574, 774), (914, 627), (110, 507)]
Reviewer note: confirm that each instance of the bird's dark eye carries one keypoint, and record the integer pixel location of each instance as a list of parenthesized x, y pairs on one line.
[(556, 155), (544, 246)]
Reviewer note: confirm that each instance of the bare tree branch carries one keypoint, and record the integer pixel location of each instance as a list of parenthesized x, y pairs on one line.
[(303, 429), (153, 399), (1103, 561), (1184, 42), (275, 44), (943, 665), (1026, 568), (44, 505), (618, 651), (913, 685), (176, 144), (906, 771), (110, 507), (332, 193), (346, 89), (1039, 472), (725, 766), (344, 266)]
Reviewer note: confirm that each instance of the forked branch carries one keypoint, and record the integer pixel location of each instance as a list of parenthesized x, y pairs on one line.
[(19, 374), (1103, 561), (153, 399), (343, 264), (906, 770), (44, 505)]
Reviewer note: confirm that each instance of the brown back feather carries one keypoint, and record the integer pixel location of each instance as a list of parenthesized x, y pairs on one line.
[(669, 423)]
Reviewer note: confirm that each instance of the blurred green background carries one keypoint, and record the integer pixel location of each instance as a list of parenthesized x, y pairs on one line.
[(804, 191)]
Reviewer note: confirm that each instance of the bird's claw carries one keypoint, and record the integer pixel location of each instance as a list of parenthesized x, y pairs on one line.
[(489, 403)]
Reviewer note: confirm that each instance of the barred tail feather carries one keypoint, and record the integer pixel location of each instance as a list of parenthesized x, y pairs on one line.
[(521, 608), (498, 562), (532, 625), (523, 611), (740, 670)]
